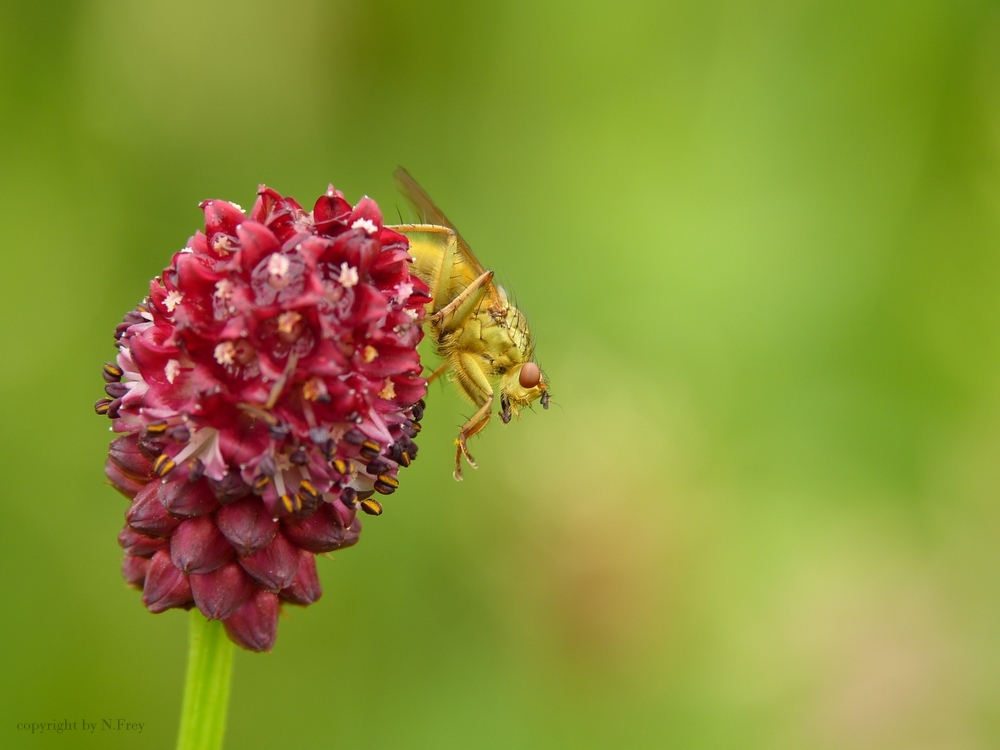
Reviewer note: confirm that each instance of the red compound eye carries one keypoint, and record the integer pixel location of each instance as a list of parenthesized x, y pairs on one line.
[(530, 375)]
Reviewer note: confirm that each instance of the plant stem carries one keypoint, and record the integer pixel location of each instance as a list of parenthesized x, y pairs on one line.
[(206, 690)]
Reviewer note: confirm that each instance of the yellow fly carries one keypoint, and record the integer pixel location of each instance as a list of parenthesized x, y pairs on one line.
[(480, 336)]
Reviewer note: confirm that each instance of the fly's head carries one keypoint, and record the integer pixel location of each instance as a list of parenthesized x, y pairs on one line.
[(520, 387)]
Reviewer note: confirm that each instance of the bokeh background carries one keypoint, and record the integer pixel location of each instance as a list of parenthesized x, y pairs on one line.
[(759, 244)]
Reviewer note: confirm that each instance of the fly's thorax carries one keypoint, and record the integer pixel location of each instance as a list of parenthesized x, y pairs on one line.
[(520, 335), (427, 258)]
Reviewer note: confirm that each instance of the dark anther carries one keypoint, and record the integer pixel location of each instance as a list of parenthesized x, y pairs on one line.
[(299, 457), (267, 466), (409, 447), (102, 405), (417, 410), (330, 450), (395, 451), (307, 489), (120, 330), (319, 435), (260, 484), (341, 466), (150, 447), (354, 437), (291, 504), (111, 372), (372, 507), (307, 504), (196, 469), (378, 466), (386, 485), (179, 434), (163, 465), (369, 449), (157, 428), (113, 409), (348, 496), (404, 459), (278, 431)]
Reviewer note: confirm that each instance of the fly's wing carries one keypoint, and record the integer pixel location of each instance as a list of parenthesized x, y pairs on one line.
[(421, 202), (466, 267)]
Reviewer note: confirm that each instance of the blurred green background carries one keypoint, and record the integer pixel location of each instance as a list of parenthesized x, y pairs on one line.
[(759, 244)]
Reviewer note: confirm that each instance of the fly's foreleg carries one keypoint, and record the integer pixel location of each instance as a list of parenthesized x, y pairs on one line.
[(438, 372), (472, 293), (475, 384)]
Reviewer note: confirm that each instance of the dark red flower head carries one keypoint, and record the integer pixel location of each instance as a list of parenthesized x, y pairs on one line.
[(264, 391)]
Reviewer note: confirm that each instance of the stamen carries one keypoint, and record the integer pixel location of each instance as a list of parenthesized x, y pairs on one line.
[(163, 465), (386, 485), (115, 390), (279, 384), (308, 489), (180, 434), (278, 431), (349, 496), (199, 441), (157, 428), (378, 466), (417, 410), (112, 372), (196, 470)]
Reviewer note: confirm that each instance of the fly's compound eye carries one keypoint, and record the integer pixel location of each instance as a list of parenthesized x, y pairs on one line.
[(530, 375)]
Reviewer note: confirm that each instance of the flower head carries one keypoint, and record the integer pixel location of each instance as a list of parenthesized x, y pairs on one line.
[(266, 389)]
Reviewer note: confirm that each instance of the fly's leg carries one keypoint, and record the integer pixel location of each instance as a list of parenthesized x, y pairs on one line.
[(475, 385), (439, 372), (468, 297)]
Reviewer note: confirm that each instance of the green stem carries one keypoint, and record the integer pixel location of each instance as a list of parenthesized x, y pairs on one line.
[(206, 691)]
